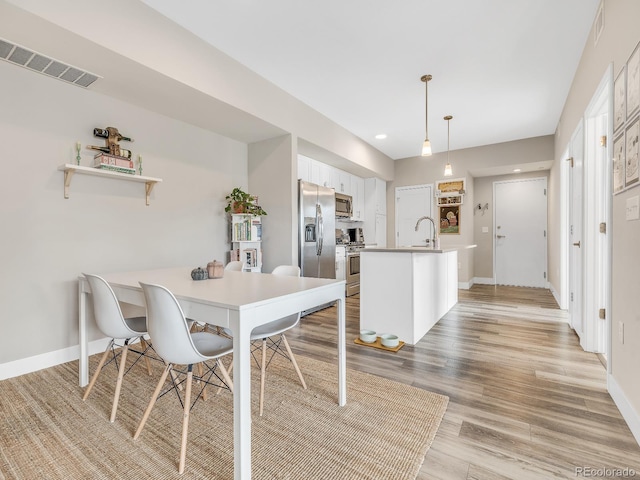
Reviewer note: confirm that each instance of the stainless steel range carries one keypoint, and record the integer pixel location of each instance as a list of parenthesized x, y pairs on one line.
[(353, 267)]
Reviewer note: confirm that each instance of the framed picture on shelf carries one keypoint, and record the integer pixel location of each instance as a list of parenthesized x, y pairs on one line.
[(632, 135), (619, 100), (633, 82), (450, 220), (618, 163)]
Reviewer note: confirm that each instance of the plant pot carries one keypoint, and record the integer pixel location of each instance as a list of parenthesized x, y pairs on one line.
[(237, 207)]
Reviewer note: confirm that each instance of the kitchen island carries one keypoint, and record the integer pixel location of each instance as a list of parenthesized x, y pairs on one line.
[(405, 291)]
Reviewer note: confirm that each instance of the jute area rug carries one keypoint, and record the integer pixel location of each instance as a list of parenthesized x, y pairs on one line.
[(48, 432)]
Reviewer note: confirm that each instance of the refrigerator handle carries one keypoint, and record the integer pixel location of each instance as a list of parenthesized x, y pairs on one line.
[(320, 223)]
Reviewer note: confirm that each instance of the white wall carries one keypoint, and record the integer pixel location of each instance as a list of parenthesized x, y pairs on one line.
[(104, 226), (619, 37), (428, 170)]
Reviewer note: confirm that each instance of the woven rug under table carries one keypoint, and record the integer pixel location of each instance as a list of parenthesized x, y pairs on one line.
[(384, 431)]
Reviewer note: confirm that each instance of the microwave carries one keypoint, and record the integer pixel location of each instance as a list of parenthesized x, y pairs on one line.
[(344, 206)]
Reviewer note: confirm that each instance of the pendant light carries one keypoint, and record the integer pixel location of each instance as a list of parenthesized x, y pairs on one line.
[(447, 169), (426, 146)]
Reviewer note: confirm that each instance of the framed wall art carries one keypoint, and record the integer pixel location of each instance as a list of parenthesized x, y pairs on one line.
[(633, 82), (632, 135), (450, 220), (619, 100), (618, 164)]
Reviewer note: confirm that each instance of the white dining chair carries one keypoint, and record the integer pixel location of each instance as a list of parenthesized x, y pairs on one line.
[(111, 322), (271, 335), (176, 345), (235, 266)]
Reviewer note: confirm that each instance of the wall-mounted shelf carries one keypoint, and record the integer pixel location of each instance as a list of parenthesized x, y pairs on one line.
[(69, 169)]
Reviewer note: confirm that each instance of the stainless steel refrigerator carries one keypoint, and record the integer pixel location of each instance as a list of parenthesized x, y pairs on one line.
[(317, 223)]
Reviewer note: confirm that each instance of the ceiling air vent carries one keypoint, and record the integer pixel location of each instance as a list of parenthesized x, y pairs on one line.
[(19, 55), (598, 24)]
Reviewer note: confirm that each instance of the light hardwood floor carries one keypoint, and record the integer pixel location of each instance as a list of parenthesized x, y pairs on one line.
[(526, 402)]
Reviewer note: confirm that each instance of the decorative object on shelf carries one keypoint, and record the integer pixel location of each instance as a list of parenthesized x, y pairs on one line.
[(112, 138), (242, 202), (447, 168), (114, 163), (426, 146), (140, 164), (78, 146), (450, 192), (215, 269), (199, 274)]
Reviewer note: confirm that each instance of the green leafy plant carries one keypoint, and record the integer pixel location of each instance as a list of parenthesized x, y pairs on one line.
[(239, 201)]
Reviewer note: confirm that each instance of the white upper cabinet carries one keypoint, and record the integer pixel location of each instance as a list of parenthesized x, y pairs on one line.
[(341, 181), (313, 171), (376, 195), (304, 168), (321, 174), (357, 192)]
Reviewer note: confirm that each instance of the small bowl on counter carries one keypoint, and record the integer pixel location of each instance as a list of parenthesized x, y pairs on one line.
[(389, 341), (368, 336)]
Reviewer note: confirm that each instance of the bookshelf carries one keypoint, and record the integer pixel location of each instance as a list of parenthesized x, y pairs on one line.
[(246, 241)]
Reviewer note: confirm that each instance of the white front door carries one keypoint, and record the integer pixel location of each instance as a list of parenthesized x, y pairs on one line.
[(520, 236), (411, 204)]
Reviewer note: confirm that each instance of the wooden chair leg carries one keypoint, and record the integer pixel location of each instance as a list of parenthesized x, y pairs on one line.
[(154, 397), (293, 360), (185, 421), (116, 395), (263, 371), (225, 375), (98, 370), (145, 346), (228, 375)]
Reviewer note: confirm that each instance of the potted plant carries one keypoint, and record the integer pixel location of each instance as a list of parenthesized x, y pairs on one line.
[(239, 201)]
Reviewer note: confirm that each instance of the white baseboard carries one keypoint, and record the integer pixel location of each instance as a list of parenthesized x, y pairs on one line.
[(626, 409), (465, 285), (484, 281), (46, 360)]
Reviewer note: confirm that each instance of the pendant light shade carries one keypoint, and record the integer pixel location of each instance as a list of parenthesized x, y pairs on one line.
[(447, 168), (426, 146)]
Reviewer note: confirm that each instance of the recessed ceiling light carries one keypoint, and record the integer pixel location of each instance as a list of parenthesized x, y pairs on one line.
[(381, 136), (516, 170)]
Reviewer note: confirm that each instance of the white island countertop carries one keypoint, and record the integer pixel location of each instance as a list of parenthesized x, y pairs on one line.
[(419, 249)]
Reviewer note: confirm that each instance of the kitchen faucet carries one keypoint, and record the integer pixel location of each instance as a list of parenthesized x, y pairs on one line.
[(435, 240)]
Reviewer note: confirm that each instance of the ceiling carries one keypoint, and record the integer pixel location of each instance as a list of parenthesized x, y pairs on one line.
[(501, 68)]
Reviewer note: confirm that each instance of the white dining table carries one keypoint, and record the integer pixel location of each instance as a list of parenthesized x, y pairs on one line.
[(239, 301)]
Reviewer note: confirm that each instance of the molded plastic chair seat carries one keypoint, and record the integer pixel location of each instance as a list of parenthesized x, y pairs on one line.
[(235, 265), (176, 345), (111, 322)]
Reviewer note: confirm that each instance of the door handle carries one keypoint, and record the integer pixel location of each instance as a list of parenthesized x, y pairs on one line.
[(500, 236), (577, 244)]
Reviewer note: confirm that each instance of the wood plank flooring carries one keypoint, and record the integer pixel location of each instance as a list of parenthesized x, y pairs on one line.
[(526, 402)]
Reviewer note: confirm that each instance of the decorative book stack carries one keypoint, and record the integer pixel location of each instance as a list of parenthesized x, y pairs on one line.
[(115, 163)]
